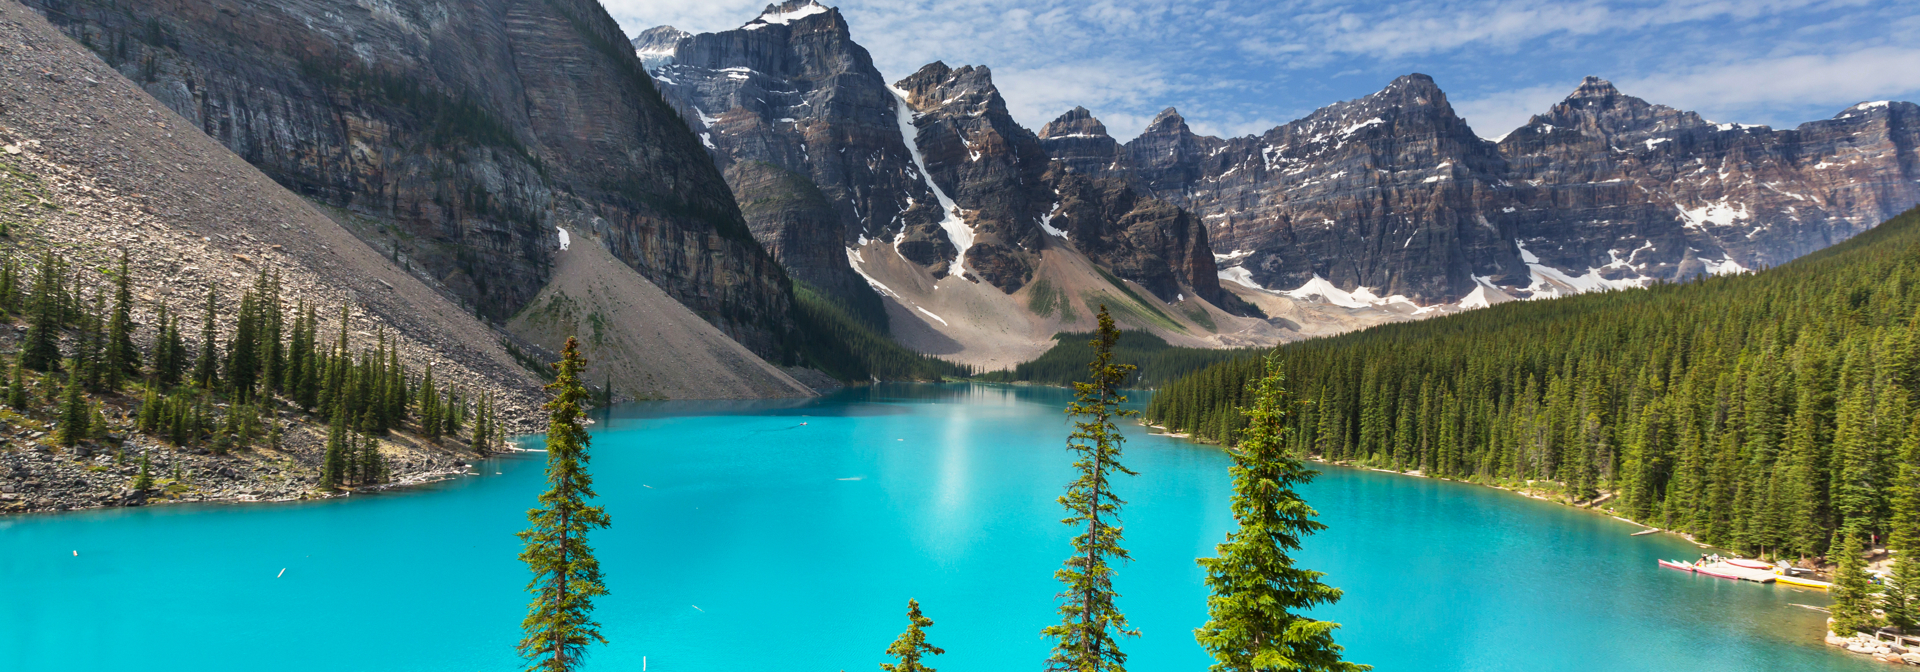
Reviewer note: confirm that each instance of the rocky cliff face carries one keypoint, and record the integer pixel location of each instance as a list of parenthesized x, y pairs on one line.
[(1137, 237), (1393, 193), (1389, 192), (454, 137), (989, 165), (933, 163), (1651, 191), (790, 90)]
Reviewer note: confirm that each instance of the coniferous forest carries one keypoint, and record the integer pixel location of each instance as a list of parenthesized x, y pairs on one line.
[(226, 388), (1771, 412)]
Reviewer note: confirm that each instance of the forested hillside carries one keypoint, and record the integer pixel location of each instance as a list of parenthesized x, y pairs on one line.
[(1762, 412), (1155, 362)]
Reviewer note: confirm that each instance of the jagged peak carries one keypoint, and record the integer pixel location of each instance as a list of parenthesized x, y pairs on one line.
[(1077, 122), (783, 13), (1594, 87), (660, 39), (1412, 80), (1168, 120), (938, 74)]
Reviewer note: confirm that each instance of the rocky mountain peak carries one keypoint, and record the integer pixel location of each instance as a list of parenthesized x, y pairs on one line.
[(1077, 122), (937, 84), (1597, 109), (1594, 87), (656, 45), (1167, 121)]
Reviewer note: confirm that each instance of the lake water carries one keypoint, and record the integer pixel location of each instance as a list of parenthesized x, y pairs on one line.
[(789, 535)]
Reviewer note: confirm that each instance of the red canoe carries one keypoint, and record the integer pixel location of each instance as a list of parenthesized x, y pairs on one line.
[(1749, 564), (1672, 564)]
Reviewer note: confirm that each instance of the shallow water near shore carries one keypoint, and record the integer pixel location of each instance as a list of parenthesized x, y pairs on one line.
[(789, 535)]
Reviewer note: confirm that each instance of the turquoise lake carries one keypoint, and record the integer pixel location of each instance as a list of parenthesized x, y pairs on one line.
[(789, 535)]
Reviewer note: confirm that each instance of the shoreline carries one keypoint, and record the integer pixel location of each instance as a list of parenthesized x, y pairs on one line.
[(36, 478)]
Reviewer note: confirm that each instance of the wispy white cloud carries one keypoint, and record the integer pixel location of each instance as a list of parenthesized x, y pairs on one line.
[(1731, 91), (1494, 115)]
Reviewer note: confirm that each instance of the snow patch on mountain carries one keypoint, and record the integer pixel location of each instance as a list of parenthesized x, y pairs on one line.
[(956, 229), (776, 17), (1721, 213)]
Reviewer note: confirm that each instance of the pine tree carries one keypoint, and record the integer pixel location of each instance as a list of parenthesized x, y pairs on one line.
[(912, 644), (1903, 591), (17, 396), (429, 406), (1090, 620), (122, 358), (144, 481), (74, 419), (566, 576), (41, 351), (1852, 593), (206, 372), (333, 470), (482, 426), (1252, 620), (372, 466)]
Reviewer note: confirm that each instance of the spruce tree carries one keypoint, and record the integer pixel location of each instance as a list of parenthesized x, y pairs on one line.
[(1253, 615), (206, 372), (1903, 592), (17, 387), (566, 577), (912, 645), (372, 465), (75, 421), (1853, 599), (482, 426), (122, 358), (41, 351), (333, 469), (1090, 620), (144, 481)]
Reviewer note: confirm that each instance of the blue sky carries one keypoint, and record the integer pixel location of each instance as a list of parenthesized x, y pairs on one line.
[(1236, 67)]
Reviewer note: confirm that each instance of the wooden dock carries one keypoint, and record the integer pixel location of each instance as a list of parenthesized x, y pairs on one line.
[(1726, 570)]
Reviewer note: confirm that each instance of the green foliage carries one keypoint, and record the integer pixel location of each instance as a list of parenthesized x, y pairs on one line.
[(74, 419), (850, 350), (122, 359), (566, 576), (1155, 363), (41, 351), (1761, 412), (1089, 617), (1045, 298), (1142, 309), (1853, 597), (912, 645), (1252, 622)]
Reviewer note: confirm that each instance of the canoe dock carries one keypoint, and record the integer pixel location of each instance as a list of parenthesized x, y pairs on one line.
[(1742, 572)]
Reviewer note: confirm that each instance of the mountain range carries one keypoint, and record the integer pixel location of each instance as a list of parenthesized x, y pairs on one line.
[(725, 174)]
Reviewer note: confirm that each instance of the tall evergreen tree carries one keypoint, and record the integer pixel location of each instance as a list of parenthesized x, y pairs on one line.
[(206, 372), (333, 468), (41, 351), (1903, 592), (1090, 620), (912, 645), (17, 396), (566, 576), (122, 358), (1253, 622), (1853, 598), (75, 421)]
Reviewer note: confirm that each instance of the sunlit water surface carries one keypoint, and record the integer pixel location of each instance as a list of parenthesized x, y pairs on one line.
[(789, 535)]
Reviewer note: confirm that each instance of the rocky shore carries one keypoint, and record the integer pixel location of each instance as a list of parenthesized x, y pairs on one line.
[(36, 476)]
